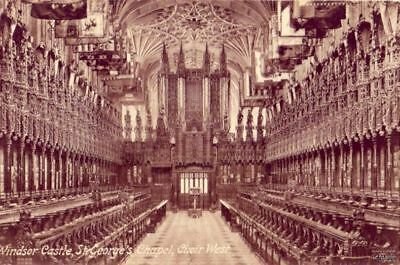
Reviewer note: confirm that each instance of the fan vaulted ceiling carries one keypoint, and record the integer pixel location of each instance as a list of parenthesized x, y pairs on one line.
[(242, 26), (237, 24)]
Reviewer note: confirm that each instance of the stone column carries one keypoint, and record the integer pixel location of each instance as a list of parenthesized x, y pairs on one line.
[(67, 169), (206, 99), (350, 174), (181, 99), (390, 180), (60, 175), (51, 170), (319, 172), (75, 170), (246, 82), (362, 168), (333, 169), (374, 171), (21, 167), (43, 177), (362, 171), (310, 172), (81, 171), (326, 168), (33, 182), (7, 163), (342, 160), (224, 99)]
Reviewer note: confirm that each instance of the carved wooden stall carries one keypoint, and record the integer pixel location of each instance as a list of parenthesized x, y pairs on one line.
[(60, 155), (55, 139), (330, 194)]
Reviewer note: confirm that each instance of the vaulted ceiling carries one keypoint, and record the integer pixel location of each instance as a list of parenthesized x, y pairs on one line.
[(238, 24)]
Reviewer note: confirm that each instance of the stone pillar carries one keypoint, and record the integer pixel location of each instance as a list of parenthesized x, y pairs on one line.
[(374, 171), (43, 177), (60, 175), (73, 170), (390, 181), (350, 174), (362, 168), (246, 82), (181, 100), (7, 164), (326, 168), (179, 144), (342, 161), (33, 170), (224, 102), (319, 169), (51, 170), (206, 99), (14, 168), (309, 168), (333, 168), (362, 171), (77, 170), (21, 167), (66, 171), (208, 142), (81, 162)]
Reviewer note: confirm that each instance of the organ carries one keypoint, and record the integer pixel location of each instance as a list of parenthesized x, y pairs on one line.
[(195, 102), (193, 106)]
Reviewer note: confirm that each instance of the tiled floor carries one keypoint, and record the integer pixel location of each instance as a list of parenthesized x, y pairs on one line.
[(181, 240)]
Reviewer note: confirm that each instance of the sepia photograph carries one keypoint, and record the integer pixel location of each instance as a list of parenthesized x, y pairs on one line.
[(199, 132)]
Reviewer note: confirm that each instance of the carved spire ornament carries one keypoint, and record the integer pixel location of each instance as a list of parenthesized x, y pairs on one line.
[(223, 66), (260, 127), (139, 127), (206, 62), (164, 61), (249, 126), (161, 128), (149, 128), (128, 126), (181, 69)]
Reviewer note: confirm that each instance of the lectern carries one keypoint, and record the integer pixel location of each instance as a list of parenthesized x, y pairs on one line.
[(195, 212)]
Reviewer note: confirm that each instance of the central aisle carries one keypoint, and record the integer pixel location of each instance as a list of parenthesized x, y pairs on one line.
[(181, 240)]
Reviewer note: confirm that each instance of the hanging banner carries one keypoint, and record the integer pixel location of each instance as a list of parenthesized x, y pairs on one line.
[(84, 41), (59, 10), (294, 51), (270, 66), (104, 43), (104, 60), (93, 29), (317, 17), (93, 26), (288, 64)]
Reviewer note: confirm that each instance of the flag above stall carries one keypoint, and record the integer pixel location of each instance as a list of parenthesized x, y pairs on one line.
[(58, 9), (317, 17), (92, 29)]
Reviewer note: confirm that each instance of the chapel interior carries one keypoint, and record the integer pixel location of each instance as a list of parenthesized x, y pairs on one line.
[(200, 132)]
